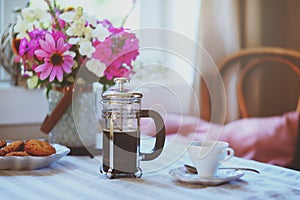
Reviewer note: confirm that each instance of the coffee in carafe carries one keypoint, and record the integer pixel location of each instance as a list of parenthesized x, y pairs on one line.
[(121, 132)]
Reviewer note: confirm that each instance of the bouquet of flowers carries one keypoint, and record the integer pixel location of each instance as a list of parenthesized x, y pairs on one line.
[(52, 44)]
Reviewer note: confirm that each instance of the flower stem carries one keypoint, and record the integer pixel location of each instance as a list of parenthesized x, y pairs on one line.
[(52, 12), (130, 11)]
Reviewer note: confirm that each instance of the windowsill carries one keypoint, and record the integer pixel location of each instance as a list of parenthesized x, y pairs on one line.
[(22, 106), (19, 105)]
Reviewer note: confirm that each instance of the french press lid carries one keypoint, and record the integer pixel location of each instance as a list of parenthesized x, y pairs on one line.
[(121, 92)]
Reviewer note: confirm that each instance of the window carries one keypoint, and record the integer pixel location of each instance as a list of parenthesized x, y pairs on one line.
[(176, 20), (176, 16), (169, 51)]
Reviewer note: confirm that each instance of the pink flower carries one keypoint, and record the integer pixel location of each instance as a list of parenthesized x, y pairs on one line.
[(103, 51), (116, 71), (117, 52), (28, 47), (57, 58)]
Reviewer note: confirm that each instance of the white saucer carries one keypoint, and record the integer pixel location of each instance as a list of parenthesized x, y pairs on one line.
[(223, 176)]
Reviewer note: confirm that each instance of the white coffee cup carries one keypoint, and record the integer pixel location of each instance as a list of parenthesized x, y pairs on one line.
[(207, 156)]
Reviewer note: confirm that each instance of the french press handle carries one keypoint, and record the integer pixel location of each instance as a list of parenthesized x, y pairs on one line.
[(160, 134)]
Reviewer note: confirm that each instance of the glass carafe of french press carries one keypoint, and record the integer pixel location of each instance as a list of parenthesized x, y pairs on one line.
[(121, 132)]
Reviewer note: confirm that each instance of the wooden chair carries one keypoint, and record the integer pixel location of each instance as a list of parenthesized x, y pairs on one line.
[(246, 62)]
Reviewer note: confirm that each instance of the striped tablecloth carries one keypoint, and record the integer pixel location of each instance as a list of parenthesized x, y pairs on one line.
[(78, 177)]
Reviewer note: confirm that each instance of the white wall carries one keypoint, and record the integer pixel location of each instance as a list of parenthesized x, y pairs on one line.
[(21, 112)]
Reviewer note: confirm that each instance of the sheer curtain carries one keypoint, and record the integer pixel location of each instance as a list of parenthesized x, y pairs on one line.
[(168, 39), (219, 34)]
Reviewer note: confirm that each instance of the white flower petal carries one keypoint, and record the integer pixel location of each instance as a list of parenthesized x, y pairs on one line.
[(73, 40), (86, 48), (21, 28), (41, 15), (68, 16), (100, 32), (92, 20), (76, 29), (28, 14), (46, 18), (70, 53), (32, 82)]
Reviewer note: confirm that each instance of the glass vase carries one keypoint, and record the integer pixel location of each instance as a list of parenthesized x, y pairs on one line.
[(78, 131)]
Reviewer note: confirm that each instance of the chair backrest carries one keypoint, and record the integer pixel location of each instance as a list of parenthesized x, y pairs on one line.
[(246, 61)]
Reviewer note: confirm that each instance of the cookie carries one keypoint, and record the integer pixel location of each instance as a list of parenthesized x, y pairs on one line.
[(39, 148), (2, 143), (2, 153), (17, 145), (17, 153)]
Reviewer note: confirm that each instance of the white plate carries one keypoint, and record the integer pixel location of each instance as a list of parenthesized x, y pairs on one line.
[(223, 176), (33, 162)]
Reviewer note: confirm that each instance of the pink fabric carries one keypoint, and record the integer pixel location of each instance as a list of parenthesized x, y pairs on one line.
[(266, 139), (269, 139)]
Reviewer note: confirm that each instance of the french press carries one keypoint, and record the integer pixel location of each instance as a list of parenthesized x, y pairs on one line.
[(121, 112)]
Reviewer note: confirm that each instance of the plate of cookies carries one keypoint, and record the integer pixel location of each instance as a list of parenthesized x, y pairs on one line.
[(30, 154)]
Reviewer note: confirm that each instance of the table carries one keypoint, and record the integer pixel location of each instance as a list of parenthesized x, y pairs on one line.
[(78, 177)]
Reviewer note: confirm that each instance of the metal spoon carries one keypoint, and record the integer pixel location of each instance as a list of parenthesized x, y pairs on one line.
[(194, 170)]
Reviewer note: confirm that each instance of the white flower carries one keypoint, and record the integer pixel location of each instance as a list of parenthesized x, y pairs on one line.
[(88, 33), (36, 16), (42, 15), (76, 29), (70, 53), (28, 14), (79, 12), (30, 19), (86, 48), (100, 32), (92, 20), (96, 67), (32, 82), (21, 28), (73, 40), (67, 16), (77, 20), (72, 16)]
